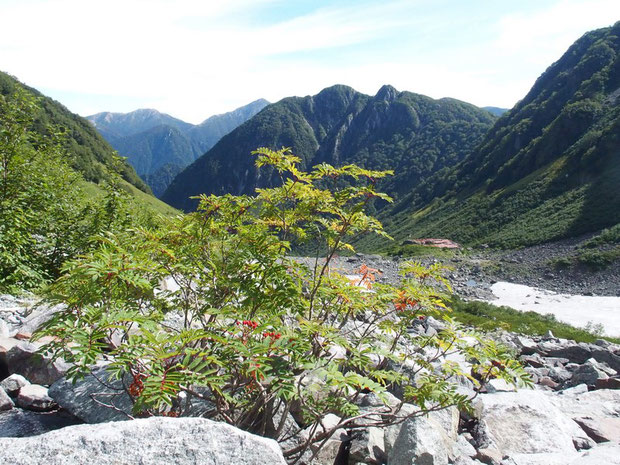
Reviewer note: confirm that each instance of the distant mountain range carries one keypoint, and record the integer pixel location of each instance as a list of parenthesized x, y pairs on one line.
[(549, 168), (496, 110), (159, 146), (412, 134)]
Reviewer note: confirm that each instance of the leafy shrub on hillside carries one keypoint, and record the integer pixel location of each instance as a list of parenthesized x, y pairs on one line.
[(46, 217), (256, 334)]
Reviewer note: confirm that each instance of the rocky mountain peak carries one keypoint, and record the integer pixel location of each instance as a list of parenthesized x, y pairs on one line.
[(387, 93)]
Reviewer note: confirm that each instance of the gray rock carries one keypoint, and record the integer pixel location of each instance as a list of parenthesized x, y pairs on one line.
[(588, 374), (13, 384), (156, 441), (331, 448), (4, 329), (36, 315), (579, 389), (612, 359), (607, 454), (464, 448), (527, 422), (583, 443), (576, 353), (490, 456), (428, 439), (608, 383), (525, 344), (35, 397), (84, 398), (368, 446), (17, 423), (499, 385), (24, 360), (431, 322), (603, 403), (5, 401), (601, 429), (602, 366)]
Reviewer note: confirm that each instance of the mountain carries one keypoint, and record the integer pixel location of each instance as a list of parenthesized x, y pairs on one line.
[(91, 155), (497, 111), (548, 169), (115, 126), (159, 146), (409, 133), (206, 134)]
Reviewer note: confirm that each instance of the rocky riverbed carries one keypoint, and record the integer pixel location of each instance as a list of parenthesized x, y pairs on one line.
[(570, 416)]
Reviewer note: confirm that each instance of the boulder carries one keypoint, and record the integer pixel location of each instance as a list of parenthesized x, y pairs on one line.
[(588, 373), (368, 446), (428, 439), (84, 399), (35, 397), (575, 352), (325, 452), (526, 422), (603, 403), (608, 383), (607, 454), (601, 429), (156, 441), (25, 360), (13, 384), (5, 401), (17, 423)]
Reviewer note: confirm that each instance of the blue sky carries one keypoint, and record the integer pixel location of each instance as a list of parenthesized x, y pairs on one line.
[(196, 58)]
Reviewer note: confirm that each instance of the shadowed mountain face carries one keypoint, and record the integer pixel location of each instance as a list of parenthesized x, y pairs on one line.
[(548, 169), (412, 134), (159, 146)]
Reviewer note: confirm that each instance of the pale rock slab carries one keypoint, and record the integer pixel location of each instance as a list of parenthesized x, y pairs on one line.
[(527, 422), (153, 441), (35, 397)]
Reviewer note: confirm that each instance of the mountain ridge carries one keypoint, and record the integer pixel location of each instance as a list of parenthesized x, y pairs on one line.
[(548, 169), (91, 154), (339, 125), (140, 136)]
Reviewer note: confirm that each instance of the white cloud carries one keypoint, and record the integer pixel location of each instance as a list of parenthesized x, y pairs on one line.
[(193, 58)]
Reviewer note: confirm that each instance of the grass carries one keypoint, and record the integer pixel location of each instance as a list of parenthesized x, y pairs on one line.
[(149, 202), (489, 317)]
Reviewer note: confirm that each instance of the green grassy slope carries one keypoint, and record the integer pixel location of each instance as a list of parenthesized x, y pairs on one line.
[(548, 169)]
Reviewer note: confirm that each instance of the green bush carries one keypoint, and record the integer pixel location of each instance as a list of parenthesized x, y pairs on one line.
[(46, 217), (254, 331)]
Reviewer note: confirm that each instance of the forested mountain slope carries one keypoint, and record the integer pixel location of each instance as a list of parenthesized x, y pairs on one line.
[(548, 169), (409, 133), (90, 154)]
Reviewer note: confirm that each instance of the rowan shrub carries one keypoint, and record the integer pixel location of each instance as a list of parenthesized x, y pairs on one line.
[(255, 334)]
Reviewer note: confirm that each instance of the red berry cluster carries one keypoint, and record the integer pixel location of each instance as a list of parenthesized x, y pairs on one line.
[(272, 335), (137, 386), (249, 323)]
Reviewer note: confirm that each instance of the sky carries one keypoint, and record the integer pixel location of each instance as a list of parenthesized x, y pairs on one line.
[(195, 58)]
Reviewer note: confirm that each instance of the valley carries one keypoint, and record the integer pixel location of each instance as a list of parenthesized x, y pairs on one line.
[(269, 277)]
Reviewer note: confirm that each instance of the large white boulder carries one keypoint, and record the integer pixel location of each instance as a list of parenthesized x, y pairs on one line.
[(527, 422), (156, 441)]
